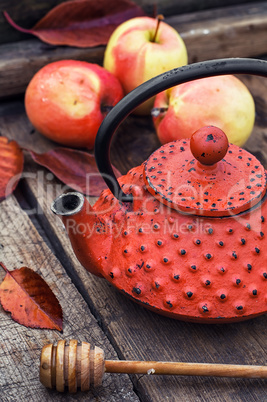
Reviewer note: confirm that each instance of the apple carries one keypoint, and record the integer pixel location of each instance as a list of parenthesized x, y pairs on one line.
[(140, 49), (222, 101), (67, 100)]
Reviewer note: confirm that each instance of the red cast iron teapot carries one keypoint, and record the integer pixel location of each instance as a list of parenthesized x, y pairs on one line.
[(184, 234)]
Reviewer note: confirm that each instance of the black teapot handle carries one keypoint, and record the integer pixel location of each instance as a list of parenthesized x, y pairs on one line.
[(151, 88)]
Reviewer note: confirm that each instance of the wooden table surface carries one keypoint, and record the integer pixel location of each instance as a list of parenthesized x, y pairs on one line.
[(94, 311)]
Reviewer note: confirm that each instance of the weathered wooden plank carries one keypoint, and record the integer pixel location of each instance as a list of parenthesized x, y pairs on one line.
[(29, 56), (229, 32), (21, 245), (136, 332), (28, 12), (239, 31)]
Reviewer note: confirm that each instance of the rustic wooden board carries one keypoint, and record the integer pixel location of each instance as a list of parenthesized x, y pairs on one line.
[(137, 333), (238, 31), (21, 245)]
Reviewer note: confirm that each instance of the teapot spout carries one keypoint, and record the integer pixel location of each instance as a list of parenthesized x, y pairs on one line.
[(79, 220), (68, 204)]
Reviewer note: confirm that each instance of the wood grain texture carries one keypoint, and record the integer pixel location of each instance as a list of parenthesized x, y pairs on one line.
[(136, 333), (191, 369), (31, 55), (21, 245), (238, 31), (28, 12)]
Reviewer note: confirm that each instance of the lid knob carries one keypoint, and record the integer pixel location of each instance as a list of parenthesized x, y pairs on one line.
[(209, 145)]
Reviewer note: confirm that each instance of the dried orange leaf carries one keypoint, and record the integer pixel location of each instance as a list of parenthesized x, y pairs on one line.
[(29, 299), (77, 169), (82, 23), (11, 166)]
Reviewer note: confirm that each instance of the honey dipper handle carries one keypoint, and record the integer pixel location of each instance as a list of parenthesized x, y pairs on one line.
[(80, 365), (194, 369)]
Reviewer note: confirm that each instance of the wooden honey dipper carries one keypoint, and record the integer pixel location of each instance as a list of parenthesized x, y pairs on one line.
[(80, 365)]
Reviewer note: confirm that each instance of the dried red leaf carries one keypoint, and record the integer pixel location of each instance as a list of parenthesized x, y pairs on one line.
[(77, 169), (11, 166), (82, 23), (29, 299)]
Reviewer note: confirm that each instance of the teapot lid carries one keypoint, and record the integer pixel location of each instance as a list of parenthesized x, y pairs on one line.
[(205, 175)]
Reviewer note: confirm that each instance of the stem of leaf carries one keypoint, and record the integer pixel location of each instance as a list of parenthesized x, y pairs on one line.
[(159, 18), (157, 111)]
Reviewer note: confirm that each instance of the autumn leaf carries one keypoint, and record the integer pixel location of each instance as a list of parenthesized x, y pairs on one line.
[(82, 23), (77, 169), (11, 166), (29, 299)]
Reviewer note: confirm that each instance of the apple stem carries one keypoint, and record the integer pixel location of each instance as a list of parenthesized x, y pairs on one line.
[(106, 108), (159, 18), (157, 111)]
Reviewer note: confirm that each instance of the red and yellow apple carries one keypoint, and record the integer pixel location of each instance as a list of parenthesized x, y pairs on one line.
[(222, 101), (67, 100), (134, 55)]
